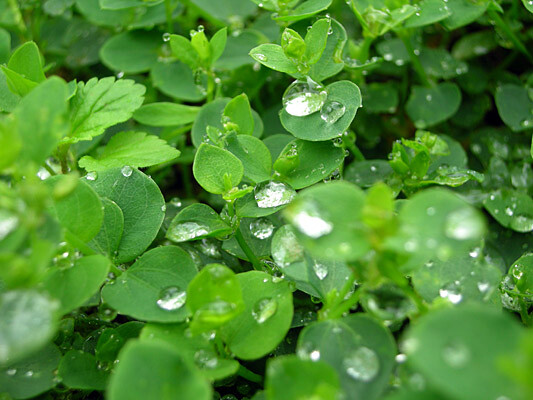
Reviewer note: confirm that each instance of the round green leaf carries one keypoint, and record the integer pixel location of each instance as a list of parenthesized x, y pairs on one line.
[(515, 106), (215, 169), (164, 75), (304, 10), (359, 348), (253, 154), (466, 346), (155, 370), (79, 370), (142, 205), (429, 12), (106, 241), (154, 287), (463, 12), (266, 319), (428, 106), (314, 127), (511, 209)]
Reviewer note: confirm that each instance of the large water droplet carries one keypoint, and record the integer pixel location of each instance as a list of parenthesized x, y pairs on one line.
[(304, 97), (332, 111), (362, 364), (456, 354), (464, 224), (261, 228), (285, 248), (264, 309), (171, 298), (321, 270), (273, 194), (126, 171), (186, 231), (308, 219), (452, 291), (206, 359)]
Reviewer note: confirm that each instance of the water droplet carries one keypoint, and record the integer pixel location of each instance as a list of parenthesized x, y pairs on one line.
[(401, 358), (483, 287), (120, 75), (362, 364), (206, 359), (209, 248), (464, 224), (261, 228), (260, 57), (522, 223), (429, 97), (452, 292), (166, 37), (264, 309), (525, 123), (304, 97), (308, 219), (185, 231), (200, 28), (287, 250), (28, 374), (91, 176), (456, 354), (126, 171), (332, 111), (11, 371), (509, 211), (171, 298), (321, 271), (273, 194)]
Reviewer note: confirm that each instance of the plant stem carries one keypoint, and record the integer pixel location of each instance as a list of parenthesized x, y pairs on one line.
[(345, 306), (49, 169), (168, 13), (502, 24), (62, 156), (249, 375), (242, 243), (417, 65)]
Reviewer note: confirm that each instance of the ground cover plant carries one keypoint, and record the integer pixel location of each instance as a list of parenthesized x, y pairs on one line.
[(266, 199)]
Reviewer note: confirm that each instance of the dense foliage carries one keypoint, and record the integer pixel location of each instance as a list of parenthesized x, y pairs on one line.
[(266, 199)]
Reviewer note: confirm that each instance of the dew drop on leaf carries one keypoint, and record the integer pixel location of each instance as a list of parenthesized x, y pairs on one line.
[(260, 57), (304, 97), (273, 194), (309, 220), (166, 37), (464, 224), (126, 171), (11, 372), (261, 228), (186, 231), (287, 249), (91, 176), (264, 309), (205, 359), (171, 298), (332, 111), (452, 292), (456, 354), (522, 223), (321, 271), (362, 364)]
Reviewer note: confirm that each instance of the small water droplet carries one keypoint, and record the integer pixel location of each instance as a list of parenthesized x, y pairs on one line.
[(206, 359), (120, 75), (288, 250), (452, 292), (304, 97), (483, 287), (456, 354), (171, 298), (11, 372), (260, 57), (332, 111), (91, 176), (273, 194), (185, 231), (126, 171), (321, 270), (28, 374), (261, 228), (264, 309), (362, 364), (314, 355), (166, 37)]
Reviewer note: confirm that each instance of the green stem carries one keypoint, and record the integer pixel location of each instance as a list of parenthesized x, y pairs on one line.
[(417, 65), (502, 24), (63, 156), (49, 169), (242, 243), (210, 86), (168, 12), (345, 306), (249, 375)]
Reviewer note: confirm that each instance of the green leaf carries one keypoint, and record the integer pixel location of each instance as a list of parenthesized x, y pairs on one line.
[(327, 218), (265, 320), (195, 349), (143, 213), (360, 349), (5, 46), (41, 120), (450, 345), (195, 222), (163, 75), (24, 65), (439, 63), (218, 44), (153, 288), (273, 57), (429, 12), (155, 370), (511, 209), (302, 163), (239, 112), (136, 149), (474, 45), (291, 378), (8, 99), (28, 321), (464, 12), (99, 104), (316, 39), (324, 125), (131, 52), (305, 10), (90, 9), (236, 53), (214, 297), (430, 106), (515, 106), (166, 114), (216, 169), (224, 11), (330, 63), (107, 240), (253, 154), (119, 4), (10, 144), (80, 211), (79, 370), (182, 49), (528, 5), (75, 285), (31, 376)]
